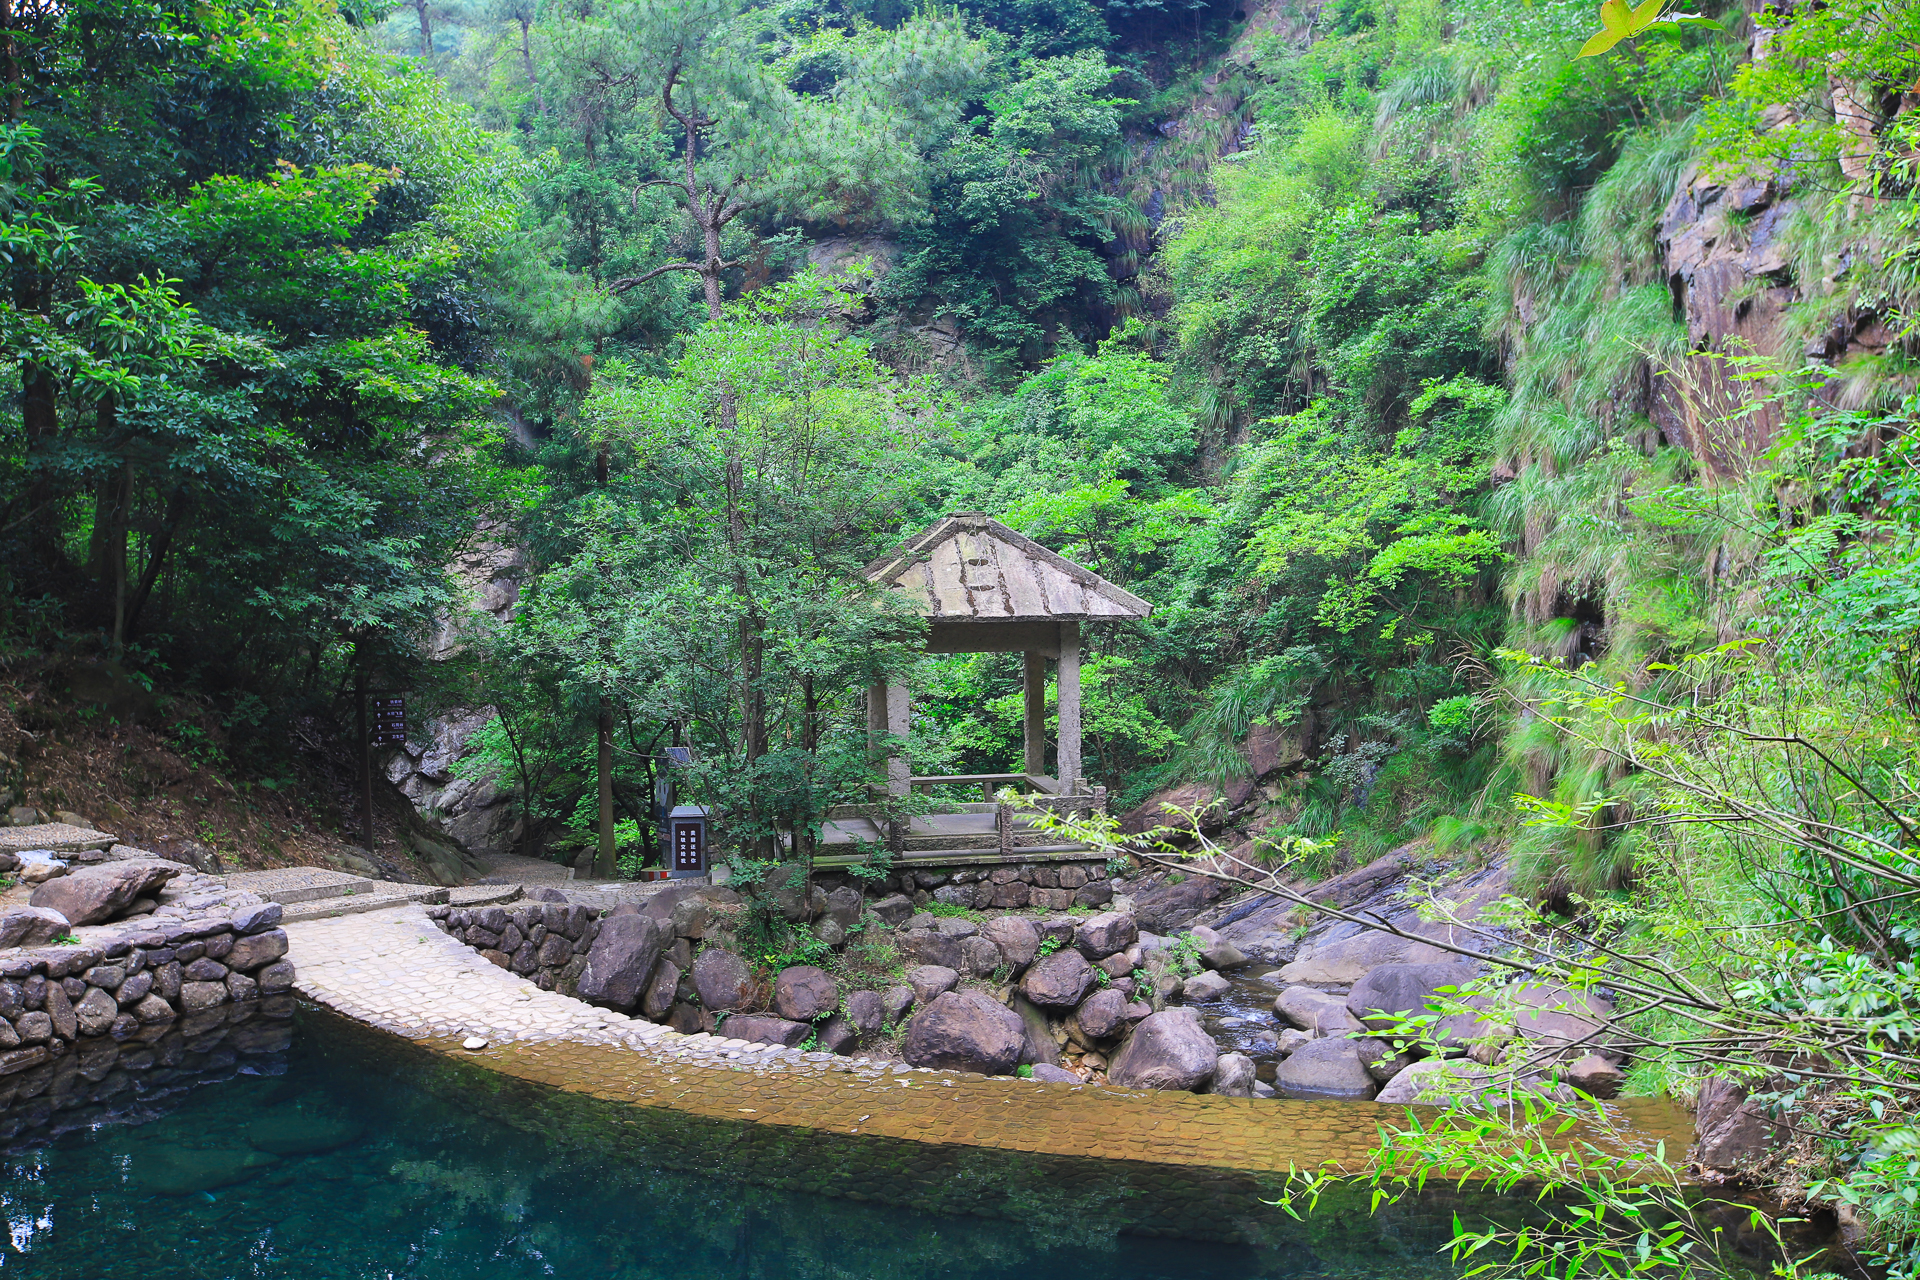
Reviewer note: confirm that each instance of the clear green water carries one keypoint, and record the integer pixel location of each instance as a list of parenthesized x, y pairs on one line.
[(364, 1157)]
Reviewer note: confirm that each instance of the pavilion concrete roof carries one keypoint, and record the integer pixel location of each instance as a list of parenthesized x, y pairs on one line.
[(970, 567)]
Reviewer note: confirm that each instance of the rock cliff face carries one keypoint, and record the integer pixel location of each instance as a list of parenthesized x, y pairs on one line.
[(476, 812), (489, 571), (1733, 282), (1728, 271)]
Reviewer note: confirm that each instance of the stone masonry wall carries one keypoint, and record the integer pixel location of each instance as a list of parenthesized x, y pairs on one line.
[(138, 985), (546, 940), (1046, 886)]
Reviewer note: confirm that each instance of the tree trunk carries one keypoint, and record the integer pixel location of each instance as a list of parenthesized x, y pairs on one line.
[(156, 557), (526, 60), (426, 28), (117, 549), (366, 748), (604, 864)]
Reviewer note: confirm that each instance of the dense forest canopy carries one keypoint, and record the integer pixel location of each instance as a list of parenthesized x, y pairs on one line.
[(1474, 413)]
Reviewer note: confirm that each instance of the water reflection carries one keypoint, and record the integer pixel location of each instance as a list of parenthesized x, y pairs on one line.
[(352, 1155)]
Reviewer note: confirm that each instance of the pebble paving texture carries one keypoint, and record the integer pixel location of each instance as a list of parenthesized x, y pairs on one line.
[(395, 971)]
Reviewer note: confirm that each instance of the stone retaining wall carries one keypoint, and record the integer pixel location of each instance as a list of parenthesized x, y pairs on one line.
[(546, 940), (1045, 886), (135, 986)]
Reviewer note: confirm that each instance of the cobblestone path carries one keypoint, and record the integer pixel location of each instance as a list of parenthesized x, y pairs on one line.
[(396, 971)]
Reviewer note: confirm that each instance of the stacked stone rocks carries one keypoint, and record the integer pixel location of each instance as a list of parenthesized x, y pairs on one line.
[(545, 938), (100, 886), (136, 985)]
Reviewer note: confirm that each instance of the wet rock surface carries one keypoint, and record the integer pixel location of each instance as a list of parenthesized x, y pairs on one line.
[(1332, 1069)]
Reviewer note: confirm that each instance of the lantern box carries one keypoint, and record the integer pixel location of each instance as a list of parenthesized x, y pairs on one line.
[(686, 853)]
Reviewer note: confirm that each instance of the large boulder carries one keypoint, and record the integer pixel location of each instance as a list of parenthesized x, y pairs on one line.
[(979, 957), (1057, 929), (1554, 1016), (1164, 908), (1433, 1082), (1734, 1133), (844, 906), (1204, 986), (722, 979), (760, 1029), (1039, 1034), (1168, 1050), (1334, 1069), (836, 1035), (893, 909), (1016, 937), (1595, 1076), (804, 993), (866, 1013), (662, 990), (932, 947), (1101, 1016), (1383, 1061), (31, 926), (1058, 981), (1101, 936), (1233, 1076), (96, 894), (1442, 1082), (1393, 991), (786, 887), (965, 1031), (1223, 955), (251, 951), (1345, 960), (930, 981), (1315, 1011), (1202, 800), (621, 961)]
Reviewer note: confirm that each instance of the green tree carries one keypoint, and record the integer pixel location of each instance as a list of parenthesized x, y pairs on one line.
[(747, 487)]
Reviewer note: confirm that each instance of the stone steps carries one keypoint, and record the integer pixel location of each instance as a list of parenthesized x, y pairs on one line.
[(387, 895), (288, 885)]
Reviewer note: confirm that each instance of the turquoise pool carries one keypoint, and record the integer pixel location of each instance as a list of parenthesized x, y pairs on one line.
[(310, 1148)]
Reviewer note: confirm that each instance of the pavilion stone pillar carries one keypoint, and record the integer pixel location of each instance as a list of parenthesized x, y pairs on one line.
[(876, 717), (1068, 749), (899, 720), (1035, 670), (889, 713)]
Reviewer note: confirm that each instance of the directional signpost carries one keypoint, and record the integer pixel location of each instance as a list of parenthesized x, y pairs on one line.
[(389, 728), (389, 719)]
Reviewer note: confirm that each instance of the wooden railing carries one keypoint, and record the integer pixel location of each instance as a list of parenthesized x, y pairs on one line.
[(1043, 796), (989, 782)]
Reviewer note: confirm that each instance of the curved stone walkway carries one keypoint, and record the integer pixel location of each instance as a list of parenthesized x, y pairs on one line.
[(396, 971)]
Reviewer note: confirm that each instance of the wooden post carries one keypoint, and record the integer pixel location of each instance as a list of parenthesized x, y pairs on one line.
[(366, 749), (1068, 749), (1035, 685), (1003, 827)]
